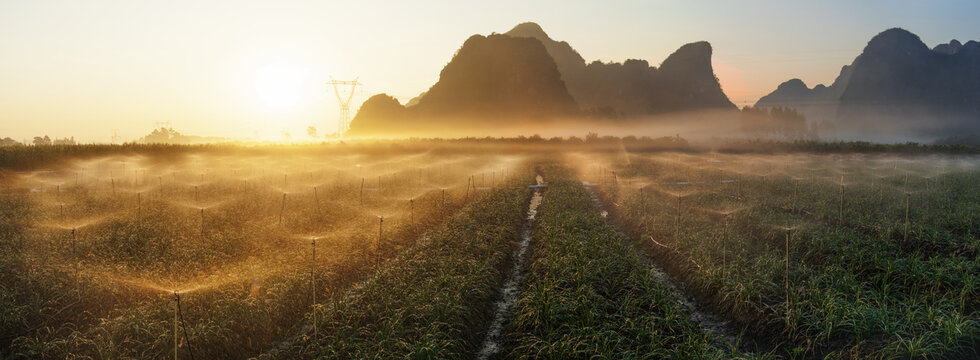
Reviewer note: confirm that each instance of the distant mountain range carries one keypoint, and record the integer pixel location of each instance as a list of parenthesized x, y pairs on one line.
[(523, 76), (896, 89), (685, 80)]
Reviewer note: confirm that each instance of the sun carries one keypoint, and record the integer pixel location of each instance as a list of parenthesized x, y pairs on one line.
[(279, 87)]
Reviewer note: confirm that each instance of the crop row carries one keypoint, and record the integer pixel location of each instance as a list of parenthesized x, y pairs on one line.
[(431, 301), (92, 269), (766, 255), (589, 294)]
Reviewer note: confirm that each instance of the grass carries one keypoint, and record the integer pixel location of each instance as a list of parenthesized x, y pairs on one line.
[(857, 289), (885, 266), (245, 282), (433, 300), (588, 293)]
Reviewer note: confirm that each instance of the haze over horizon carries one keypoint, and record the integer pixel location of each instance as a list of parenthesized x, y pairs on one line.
[(242, 69)]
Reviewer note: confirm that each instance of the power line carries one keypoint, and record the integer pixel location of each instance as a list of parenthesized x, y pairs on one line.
[(343, 98)]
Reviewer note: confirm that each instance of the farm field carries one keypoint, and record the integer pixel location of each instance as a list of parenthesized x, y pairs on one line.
[(96, 252), (491, 254), (834, 256)]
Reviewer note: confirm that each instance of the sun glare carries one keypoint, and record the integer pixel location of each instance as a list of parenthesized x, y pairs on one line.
[(279, 87)]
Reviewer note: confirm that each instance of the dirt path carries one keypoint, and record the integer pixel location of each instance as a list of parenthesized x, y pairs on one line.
[(511, 288)]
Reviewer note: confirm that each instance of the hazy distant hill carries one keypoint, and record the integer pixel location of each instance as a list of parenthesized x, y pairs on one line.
[(490, 81), (896, 88), (685, 80), (524, 76), (819, 104)]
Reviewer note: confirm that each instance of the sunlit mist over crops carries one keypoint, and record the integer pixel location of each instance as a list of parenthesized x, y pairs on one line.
[(496, 180)]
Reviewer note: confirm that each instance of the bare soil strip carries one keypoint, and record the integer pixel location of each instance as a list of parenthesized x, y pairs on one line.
[(712, 325), (511, 289)]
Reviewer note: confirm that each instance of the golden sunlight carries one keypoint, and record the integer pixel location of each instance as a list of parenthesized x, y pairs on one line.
[(279, 87), (489, 180)]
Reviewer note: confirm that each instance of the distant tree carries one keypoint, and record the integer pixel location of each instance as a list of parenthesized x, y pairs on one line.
[(591, 138), (42, 141), (162, 136), (64, 141), (7, 141), (776, 122), (311, 131)]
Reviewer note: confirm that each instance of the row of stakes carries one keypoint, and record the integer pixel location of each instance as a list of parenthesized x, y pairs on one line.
[(788, 230), (178, 315)]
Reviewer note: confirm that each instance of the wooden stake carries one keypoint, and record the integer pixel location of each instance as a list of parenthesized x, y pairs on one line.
[(74, 255), (787, 279), (677, 221), (282, 208), (176, 300), (906, 181), (313, 287), (840, 213), (316, 201), (796, 194), (381, 222), (908, 201), (724, 250)]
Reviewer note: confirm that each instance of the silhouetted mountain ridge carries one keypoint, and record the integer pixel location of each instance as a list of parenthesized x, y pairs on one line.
[(491, 80), (685, 80), (507, 79), (896, 88)]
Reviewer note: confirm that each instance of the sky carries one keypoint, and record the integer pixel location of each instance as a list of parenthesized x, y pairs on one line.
[(93, 68)]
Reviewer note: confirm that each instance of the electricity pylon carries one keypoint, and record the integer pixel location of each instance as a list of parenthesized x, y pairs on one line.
[(344, 101)]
